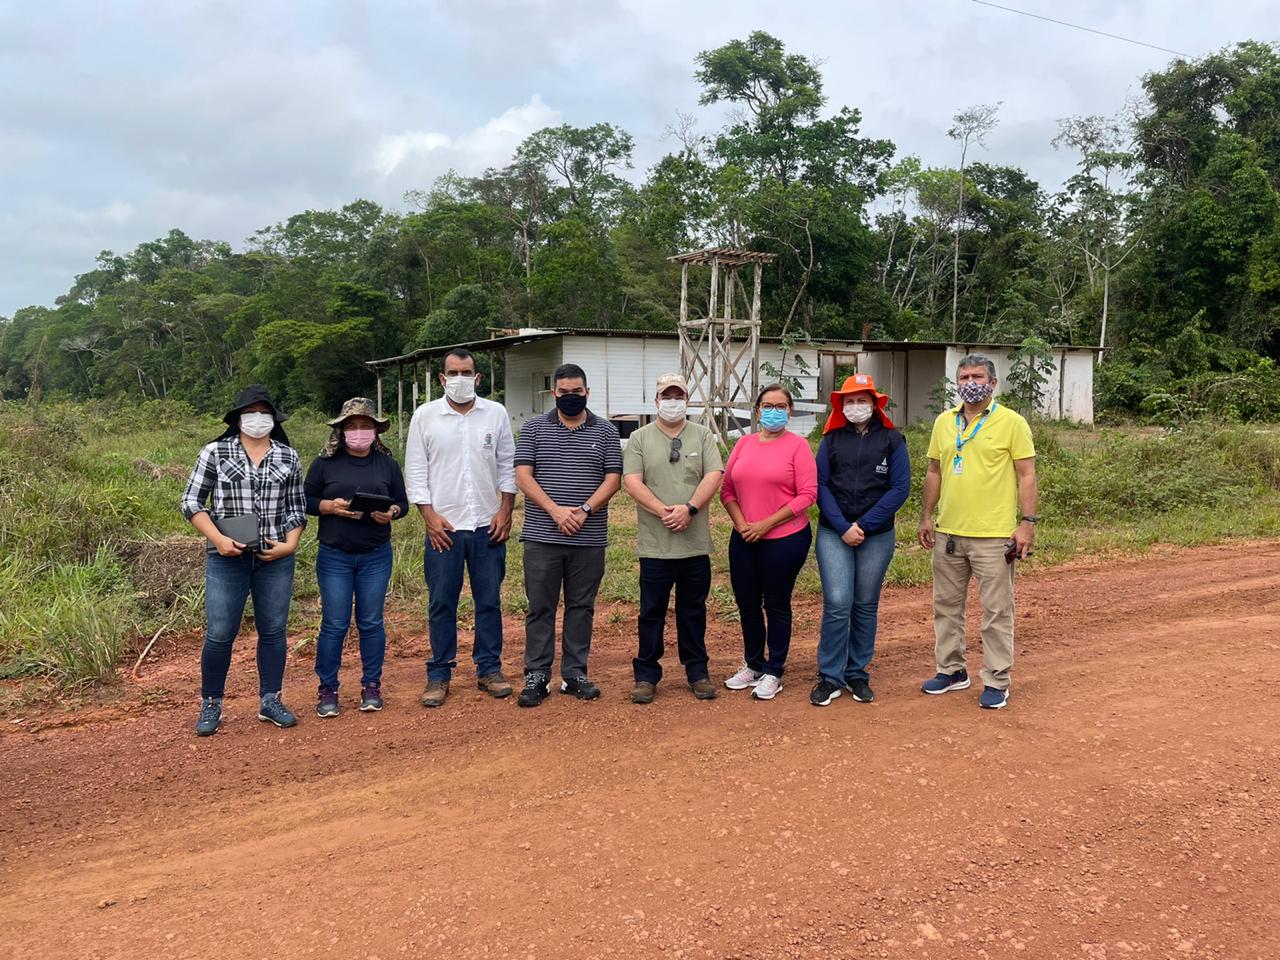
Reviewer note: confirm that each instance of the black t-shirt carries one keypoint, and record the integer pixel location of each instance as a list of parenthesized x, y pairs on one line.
[(339, 477)]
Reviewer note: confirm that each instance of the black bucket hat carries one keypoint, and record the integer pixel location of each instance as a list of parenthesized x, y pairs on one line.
[(254, 393)]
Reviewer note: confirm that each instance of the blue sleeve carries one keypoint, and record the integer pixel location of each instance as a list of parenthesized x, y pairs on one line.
[(881, 514), (827, 505)]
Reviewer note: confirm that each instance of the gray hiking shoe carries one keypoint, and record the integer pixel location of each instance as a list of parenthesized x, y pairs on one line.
[(210, 716), (271, 710)]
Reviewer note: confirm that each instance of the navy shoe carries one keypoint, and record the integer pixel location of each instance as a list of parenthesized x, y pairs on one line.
[(210, 716), (946, 682), (371, 697), (271, 710), (327, 702), (993, 698)]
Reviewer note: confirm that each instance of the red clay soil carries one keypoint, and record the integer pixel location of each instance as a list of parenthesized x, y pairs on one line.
[(1124, 805)]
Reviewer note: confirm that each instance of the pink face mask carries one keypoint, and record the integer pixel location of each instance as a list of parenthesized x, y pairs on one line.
[(359, 439)]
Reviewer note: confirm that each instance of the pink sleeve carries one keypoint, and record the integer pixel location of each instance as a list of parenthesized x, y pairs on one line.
[(727, 493), (806, 473)]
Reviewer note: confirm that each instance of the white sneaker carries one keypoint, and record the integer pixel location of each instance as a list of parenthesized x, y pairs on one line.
[(767, 687), (744, 678)]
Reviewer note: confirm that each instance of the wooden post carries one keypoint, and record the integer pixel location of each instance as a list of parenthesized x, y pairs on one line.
[(684, 293), (414, 394), (400, 404), (379, 391)]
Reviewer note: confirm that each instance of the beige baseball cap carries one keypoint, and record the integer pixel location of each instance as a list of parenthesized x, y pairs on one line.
[(672, 380)]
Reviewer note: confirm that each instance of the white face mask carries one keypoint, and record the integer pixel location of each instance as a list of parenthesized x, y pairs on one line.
[(672, 411), (256, 425), (857, 412), (460, 389)]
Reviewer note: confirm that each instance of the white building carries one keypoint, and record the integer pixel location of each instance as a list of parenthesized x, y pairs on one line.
[(623, 365)]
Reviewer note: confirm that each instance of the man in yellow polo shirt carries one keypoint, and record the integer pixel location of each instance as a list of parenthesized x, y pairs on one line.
[(982, 478)]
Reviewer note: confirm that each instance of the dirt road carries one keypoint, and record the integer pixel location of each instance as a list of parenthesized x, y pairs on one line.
[(1125, 805)]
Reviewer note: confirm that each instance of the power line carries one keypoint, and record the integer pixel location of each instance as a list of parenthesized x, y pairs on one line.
[(1076, 26)]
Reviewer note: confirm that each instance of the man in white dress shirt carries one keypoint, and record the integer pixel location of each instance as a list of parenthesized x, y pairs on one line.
[(460, 472)]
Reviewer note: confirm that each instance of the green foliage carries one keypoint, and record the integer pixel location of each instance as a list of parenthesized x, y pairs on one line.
[(1029, 369), (1164, 242)]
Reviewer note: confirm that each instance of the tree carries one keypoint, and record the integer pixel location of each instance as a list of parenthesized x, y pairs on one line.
[(1096, 200), (968, 126)]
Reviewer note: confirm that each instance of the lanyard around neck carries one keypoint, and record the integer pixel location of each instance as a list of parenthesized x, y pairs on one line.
[(961, 440)]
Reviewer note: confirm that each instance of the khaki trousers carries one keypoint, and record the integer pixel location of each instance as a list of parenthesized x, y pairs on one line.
[(983, 559)]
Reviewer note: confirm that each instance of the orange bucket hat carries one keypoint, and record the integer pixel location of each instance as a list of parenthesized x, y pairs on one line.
[(858, 383)]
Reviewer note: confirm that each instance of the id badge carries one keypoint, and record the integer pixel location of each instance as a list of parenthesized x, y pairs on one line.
[(957, 466)]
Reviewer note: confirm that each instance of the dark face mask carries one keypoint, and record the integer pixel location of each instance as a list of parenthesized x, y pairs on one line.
[(571, 404)]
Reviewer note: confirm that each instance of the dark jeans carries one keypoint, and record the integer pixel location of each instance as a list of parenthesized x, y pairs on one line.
[(228, 583), (549, 567), (762, 575), (342, 578), (851, 582), (691, 577), (486, 563)]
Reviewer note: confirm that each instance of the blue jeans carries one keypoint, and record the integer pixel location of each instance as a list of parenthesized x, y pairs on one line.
[(486, 563), (342, 578), (851, 582), (228, 583)]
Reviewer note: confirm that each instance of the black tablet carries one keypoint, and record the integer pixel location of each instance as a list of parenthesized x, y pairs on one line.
[(370, 502)]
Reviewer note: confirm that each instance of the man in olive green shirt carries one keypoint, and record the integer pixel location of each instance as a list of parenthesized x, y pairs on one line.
[(671, 468)]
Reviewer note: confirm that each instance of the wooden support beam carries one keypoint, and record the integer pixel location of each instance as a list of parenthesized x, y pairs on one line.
[(400, 404)]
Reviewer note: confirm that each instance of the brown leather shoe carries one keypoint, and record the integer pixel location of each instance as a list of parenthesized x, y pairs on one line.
[(703, 689), (435, 693), (643, 693), (494, 684)]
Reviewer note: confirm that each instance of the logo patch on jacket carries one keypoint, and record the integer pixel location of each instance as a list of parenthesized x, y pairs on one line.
[(883, 466)]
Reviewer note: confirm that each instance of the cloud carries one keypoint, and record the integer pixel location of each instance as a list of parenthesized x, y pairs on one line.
[(420, 155)]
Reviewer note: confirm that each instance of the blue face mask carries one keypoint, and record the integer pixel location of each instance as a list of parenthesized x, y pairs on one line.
[(773, 420)]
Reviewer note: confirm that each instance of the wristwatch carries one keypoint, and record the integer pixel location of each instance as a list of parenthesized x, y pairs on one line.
[(693, 511), (586, 508), (1031, 518)]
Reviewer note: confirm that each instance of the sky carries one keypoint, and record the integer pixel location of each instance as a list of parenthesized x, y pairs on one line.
[(122, 120)]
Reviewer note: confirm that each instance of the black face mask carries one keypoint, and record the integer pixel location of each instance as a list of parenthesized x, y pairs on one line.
[(571, 404)]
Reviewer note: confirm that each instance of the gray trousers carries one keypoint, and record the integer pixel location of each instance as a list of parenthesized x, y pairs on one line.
[(549, 567)]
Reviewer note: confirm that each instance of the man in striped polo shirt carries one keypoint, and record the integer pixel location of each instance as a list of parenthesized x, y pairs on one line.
[(568, 466)]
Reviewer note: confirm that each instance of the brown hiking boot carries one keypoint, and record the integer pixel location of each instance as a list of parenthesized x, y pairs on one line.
[(435, 693), (703, 689), (643, 693), (494, 684)]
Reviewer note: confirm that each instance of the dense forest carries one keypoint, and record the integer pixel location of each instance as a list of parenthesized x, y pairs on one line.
[(1163, 247)]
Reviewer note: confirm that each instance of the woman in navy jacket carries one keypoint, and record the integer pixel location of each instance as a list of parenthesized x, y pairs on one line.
[(864, 476)]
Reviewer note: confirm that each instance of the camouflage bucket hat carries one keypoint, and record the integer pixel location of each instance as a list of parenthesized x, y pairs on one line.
[(360, 407)]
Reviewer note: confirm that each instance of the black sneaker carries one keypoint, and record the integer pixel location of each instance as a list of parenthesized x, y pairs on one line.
[(210, 717), (271, 710), (824, 692), (580, 687), (371, 697), (537, 687), (860, 690), (327, 702)]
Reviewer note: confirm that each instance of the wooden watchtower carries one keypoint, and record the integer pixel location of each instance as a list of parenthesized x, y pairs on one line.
[(720, 355)]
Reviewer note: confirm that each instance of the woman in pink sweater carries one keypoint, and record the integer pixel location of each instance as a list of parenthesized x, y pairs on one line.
[(770, 482)]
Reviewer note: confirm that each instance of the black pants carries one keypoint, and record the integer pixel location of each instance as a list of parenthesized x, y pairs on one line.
[(691, 577), (763, 574), (549, 567)]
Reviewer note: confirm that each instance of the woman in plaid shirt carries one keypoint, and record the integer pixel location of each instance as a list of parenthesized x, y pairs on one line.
[(250, 470)]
